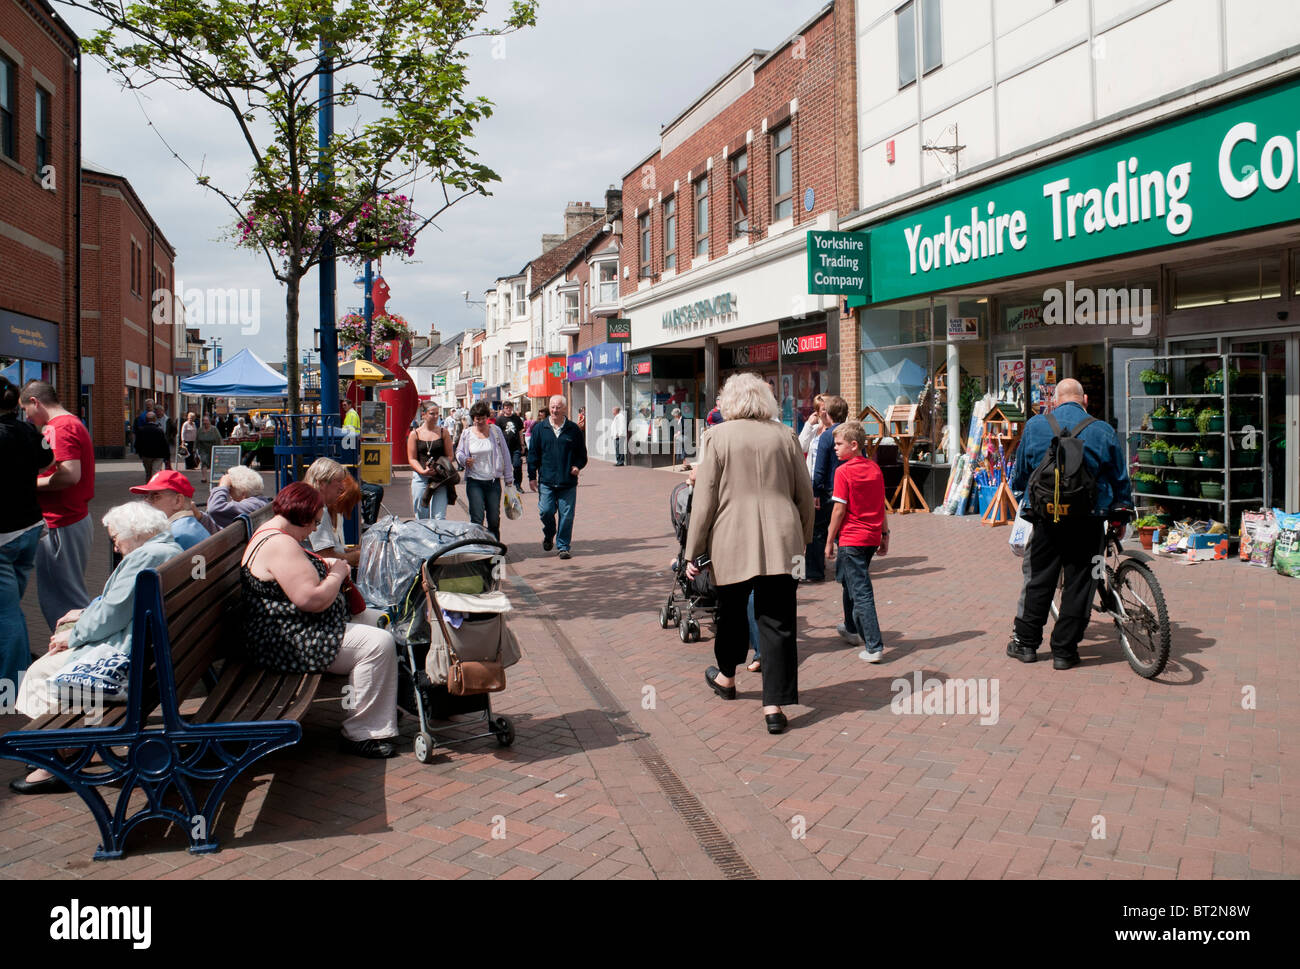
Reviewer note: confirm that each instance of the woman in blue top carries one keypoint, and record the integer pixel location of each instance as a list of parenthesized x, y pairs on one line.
[(485, 456)]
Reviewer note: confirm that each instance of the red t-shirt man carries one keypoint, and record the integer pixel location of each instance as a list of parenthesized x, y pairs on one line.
[(69, 441), (860, 487)]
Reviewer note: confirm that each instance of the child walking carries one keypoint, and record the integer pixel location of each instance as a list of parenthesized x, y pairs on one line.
[(858, 528)]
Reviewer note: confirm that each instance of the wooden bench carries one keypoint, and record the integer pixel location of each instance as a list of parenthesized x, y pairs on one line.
[(198, 714)]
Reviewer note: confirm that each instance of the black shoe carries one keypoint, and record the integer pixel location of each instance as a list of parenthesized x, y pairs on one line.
[(726, 692), (547, 545), (776, 722), (51, 785), (375, 749), (1065, 662), (1026, 654), (566, 555)]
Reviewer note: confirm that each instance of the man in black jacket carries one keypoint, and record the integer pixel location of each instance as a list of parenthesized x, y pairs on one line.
[(151, 445), (557, 452)]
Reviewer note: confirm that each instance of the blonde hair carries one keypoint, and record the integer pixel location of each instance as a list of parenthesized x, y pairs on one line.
[(852, 432), (322, 472), (747, 396)]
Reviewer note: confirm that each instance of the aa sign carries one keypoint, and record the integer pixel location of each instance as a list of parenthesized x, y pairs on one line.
[(376, 463)]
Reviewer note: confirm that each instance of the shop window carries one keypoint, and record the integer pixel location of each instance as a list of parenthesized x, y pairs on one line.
[(8, 106), (894, 376), (702, 217), (783, 173), (1242, 281), (740, 195), (42, 129), (894, 326), (670, 233), (646, 270)]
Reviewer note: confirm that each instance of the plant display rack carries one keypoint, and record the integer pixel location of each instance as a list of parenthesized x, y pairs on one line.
[(1136, 438)]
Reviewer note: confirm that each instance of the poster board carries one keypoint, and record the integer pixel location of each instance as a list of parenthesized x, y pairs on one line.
[(376, 462), (225, 457), (374, 418)]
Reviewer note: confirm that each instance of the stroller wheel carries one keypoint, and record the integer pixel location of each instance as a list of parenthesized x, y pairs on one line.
[(665, 616), (424, 748), (505, 731), (689, 631)]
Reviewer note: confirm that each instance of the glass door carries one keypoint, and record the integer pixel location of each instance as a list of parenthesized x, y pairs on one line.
[(1279, 426)]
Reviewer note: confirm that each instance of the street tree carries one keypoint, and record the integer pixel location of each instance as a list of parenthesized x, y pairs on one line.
[(400, 70)]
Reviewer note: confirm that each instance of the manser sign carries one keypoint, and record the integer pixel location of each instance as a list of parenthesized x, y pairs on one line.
[(1225, 169), (702, 311)]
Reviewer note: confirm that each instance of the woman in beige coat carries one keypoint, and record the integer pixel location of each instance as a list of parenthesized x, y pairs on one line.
[(752, 519)]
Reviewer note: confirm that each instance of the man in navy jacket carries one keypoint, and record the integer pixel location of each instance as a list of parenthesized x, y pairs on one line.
[(557, 452)]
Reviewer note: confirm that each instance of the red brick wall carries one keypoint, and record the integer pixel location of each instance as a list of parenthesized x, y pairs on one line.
[(846, 164), (805, 70), (34, 280)]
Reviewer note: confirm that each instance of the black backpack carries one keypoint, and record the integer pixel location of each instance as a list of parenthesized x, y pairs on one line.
[(1062, 486)]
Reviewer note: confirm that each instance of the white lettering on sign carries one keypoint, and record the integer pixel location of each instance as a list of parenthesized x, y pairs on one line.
[(839, 252), (1277, 162), (1130, 198), (980, 239)]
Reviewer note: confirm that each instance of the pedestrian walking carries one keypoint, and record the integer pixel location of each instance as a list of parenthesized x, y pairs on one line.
[(484, 455), (715, 415), (1068, 511), (858, 529), (23, 455), (823, 483), (512, 426), (675, 430), (64, 491), (151, 445), (424, 446), (618, 432), (207, 438), (752, 517), (556, 456), (189, 437)]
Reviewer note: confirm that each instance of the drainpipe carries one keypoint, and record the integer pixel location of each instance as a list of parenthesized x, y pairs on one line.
[(76, 283)]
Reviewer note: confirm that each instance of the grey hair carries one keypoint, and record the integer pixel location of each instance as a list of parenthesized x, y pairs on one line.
[(136, 521), (747, 396), (246, 481), (322, 472)]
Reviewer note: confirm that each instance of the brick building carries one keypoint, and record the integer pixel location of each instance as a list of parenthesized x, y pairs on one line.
[(714, 263), (40, 105), (125, 325)]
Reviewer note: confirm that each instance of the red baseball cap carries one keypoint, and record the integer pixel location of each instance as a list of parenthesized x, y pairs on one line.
[(166, 481)]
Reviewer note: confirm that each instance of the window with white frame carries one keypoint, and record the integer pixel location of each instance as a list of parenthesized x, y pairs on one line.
[(646, 270), (740, 195), (521, 301), (571, 309), (783, 173), (702, 216), (608, 275), (670, 233)]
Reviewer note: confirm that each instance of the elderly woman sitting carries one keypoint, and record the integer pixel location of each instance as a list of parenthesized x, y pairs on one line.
[(142, 536), (239, 492), (296, 621)]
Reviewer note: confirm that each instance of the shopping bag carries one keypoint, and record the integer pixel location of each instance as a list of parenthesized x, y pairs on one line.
[(103, 669), (1021, 532), (514, 506)]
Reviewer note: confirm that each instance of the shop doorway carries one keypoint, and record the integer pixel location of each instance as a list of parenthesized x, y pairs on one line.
[(1280, 418)]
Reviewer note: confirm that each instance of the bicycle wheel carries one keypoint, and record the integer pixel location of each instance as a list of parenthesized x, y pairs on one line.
[(1144, 634)]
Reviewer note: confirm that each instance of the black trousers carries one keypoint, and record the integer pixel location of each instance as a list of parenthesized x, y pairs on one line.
[(815, 554), (775, 611), (1069, 547)]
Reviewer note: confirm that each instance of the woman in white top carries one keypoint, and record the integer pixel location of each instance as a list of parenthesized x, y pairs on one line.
[(484, 455), (189, 437), (812, 430)]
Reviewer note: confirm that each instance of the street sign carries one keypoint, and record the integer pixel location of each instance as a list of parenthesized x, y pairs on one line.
[(440, 380), (838, 264), (376, 462)]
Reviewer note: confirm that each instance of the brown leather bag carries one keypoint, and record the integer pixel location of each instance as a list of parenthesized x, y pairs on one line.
[(464, 678)]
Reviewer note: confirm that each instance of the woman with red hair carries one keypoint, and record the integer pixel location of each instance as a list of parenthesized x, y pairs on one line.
[(296, 621)]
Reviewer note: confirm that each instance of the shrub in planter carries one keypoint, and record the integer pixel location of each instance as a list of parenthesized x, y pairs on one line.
[(1211, 459), (1160, 449), (1161, 419), (1176, 489), (1209, 420), (1148, 483), (1145, 455), (1245, 457), (1185, 420), (1154, 382), (1185, 457), (1146, 527), (1212, 490)]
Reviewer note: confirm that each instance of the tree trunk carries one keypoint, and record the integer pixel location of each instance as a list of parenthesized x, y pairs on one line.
[(291, 339)]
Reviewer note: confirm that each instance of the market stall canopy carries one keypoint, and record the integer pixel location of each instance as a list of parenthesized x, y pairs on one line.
[(364, 372), (243, 375)]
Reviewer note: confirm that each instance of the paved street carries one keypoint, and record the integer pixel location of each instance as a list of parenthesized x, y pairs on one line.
[(627, 767)]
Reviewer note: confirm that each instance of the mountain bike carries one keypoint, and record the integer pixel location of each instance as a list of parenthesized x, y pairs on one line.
[(1127, 592)]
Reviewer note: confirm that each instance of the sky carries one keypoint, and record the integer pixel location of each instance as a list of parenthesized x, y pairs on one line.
[(580, 100)]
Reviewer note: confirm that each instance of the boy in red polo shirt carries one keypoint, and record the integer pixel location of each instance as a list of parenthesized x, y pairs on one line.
[(858, 527)]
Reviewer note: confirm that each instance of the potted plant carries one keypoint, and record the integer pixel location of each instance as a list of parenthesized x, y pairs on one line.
[(1211, 457), (1154, 382), (1161, 419), (1147, 483), (1176, 488), (1212, 490), (1214, 380), (1245, 457), (1160, 452), (1145, 455), (1147, 526), (1210, 420), (1185, 456), (1185, 421), (1246, 487)]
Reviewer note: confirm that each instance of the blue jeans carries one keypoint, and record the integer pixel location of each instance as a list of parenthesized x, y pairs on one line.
[(437, 506), (16, 562), (566, 499), (853, 570), (484, 499)]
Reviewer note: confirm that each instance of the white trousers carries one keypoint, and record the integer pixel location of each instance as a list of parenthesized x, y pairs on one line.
[(369, 658)]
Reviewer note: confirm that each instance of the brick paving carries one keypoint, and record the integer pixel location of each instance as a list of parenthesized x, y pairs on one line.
[(625, 763)]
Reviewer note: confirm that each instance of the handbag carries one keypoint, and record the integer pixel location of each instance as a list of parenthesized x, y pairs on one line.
[(464, 677), (351, 594)]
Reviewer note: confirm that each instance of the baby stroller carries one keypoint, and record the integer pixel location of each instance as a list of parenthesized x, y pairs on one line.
[(689, 598), (462, 579)]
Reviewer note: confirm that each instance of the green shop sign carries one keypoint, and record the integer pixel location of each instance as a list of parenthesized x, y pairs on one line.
[(1220, 170), (838, 264)]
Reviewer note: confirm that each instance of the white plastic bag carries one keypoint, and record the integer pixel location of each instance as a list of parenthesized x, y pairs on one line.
[(514, 505), (1021, 532)]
